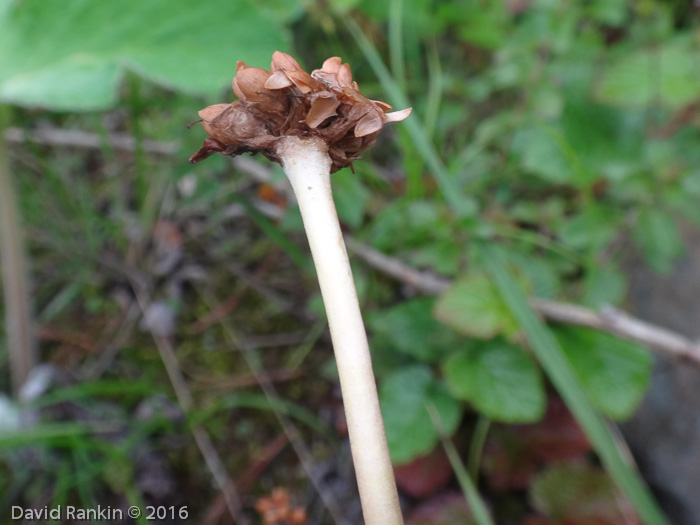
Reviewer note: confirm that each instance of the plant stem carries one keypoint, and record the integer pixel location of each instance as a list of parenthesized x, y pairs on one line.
[(18, 319), (307, 165)]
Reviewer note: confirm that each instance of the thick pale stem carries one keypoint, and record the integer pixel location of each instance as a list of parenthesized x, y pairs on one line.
[(307, 165)]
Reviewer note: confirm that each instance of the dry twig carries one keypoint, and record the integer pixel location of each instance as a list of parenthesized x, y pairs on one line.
[(184, 396), (74, 138), (609, 319)]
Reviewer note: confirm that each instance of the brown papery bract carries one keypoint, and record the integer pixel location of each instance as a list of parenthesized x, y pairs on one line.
[(288, 101)]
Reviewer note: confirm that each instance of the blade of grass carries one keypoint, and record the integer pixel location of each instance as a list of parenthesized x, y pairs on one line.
[(476, 503), (461, 204), (63, 482), (584, 178), (299, 354), (133, 496), (288, 426), (52, 434), (302, 261), (553, 361), (124, 389), (61, 300), (396, 42), (413, 163), (476, 448), (435, 79), (86, 469), (261, 402)]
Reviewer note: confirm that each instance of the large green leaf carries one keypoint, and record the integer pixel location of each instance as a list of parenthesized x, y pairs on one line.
[(613, 373), (499, 379), (667, 74), (410, 328), (604, 139), (605, 284), (593, 228), (578, 494), (656, 234), (350, 197), (72, 55), (405, 396), (483, 25), (542, 156), (473, 307)]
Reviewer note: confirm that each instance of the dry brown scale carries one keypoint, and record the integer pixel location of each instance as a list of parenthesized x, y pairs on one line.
[(288, 101)]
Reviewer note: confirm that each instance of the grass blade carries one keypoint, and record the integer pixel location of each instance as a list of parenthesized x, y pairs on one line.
[(461, 204), (553, 361), (476, 503), (396, 41)]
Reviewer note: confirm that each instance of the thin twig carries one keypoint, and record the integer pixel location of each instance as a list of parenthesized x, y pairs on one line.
[(74, 138), (425, 282), (217, 509), (622, 324), (609, 319), (115, 340), (288, 427), (259, 286), (184, 397)]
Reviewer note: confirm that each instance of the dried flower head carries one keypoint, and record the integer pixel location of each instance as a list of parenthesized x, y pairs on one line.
[(288, 101)]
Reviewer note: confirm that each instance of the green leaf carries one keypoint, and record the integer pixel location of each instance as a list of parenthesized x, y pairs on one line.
[(613, 373), (543, 271), (667, 74), (542, 156), (591, 229), (578, 493), (656, 234), (443, 255), (291, 220), (610, 12), (404, 396), (601, 135), (78, 81), (409, 224), (350, 197), (562, 376), (483, 25), (472, 306), (72, 55), (499, 379), (410, 328), (603, 285)]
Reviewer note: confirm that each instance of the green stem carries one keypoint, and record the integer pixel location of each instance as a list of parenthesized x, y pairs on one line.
[(476, 504), (476, 448)]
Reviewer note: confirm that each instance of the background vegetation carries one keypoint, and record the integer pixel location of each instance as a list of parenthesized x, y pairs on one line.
[(177, 306)]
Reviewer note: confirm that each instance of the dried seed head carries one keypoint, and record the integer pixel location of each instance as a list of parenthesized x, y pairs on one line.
[(288, 101)]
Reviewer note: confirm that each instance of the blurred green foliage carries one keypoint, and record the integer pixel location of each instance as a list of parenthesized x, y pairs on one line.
[(564, 131), (73, 56)]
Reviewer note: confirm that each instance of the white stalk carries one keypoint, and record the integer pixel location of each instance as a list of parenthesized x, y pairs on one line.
[(307, 165)]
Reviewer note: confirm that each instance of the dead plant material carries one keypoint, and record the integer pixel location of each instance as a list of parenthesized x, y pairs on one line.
[(288, 101)]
